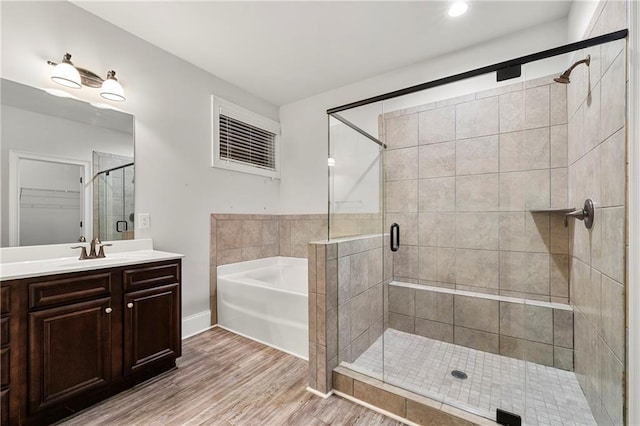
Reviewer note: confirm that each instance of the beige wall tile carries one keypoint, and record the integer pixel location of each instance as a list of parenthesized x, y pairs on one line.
[(359, 315), (537, 232), (477, 193), (558, 104), (344, 279), (478, 268), (476, 339), (524, 272), (539, 353), (477, 118), (559, 188), (609, 53), (478, 230), (360, 344), (559, 275), (537, 189), (613, 97), (434, 306), (402, 322), (512, 195), (405, 262), (612, 173), (344, 326), (285, 238), (563, 358), (229, 234), (436, 229), (426, 415), (434, 195), (251, 233), (375, 265), (525, 150), (311, 267), (402, 300), (270, 232), (613, 243), (401, 164), (427, 263), (437, 160), (592, 116), (527, 322), (402, 196), (536, 109), (558, 137), (512, 112), (475, 313), (331, 283), (563, 328), (612, 376), (342, 383), (434, 330), (575, 136), (477, 155), (437, 125), (332, 334), (401, 131), (613, 316), (512, 231), (446, 265), (359, 273), (559, 235), (229, 256)]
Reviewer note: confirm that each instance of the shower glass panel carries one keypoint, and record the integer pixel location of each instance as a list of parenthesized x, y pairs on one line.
[(115, 203), (498, 297), (356, 205)]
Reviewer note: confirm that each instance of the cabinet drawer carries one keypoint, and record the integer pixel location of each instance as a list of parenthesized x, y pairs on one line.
[(151, 276), (4, 365), (4, 332), (5, 300), (65, 290)]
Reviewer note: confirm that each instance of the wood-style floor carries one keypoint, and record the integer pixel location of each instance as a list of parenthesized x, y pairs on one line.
[(226, 379)]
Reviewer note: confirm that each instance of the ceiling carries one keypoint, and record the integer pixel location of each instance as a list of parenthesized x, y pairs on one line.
[(286, 51)]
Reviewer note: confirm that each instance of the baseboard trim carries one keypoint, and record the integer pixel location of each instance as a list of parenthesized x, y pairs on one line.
[(196, 324), (318, 393)]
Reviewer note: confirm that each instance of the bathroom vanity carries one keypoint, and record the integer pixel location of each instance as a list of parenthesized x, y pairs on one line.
[(75, 332)]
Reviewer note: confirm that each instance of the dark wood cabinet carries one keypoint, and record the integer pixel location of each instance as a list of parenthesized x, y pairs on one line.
[(149, 332), (73, 339), (69, 352)]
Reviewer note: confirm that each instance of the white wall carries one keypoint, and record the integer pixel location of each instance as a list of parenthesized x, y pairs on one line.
[(170, 99), (304, 123)]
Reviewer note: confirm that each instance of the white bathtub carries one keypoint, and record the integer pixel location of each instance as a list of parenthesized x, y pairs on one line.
[(266, 300)]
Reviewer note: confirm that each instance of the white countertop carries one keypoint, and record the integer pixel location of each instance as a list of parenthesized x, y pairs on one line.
[(27, 262)]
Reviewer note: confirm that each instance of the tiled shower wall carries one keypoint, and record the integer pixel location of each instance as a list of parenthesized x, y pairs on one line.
[(346, 312), (597, 170), (466, 173)]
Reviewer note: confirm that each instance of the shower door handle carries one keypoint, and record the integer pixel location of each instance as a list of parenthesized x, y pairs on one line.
[(122, 222), (394, 237)]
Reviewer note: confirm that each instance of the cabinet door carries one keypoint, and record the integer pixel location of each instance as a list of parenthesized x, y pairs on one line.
[(151, 326), (69, 352)]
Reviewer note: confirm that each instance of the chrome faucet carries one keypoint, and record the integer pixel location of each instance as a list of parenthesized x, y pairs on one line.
[(95, 241)]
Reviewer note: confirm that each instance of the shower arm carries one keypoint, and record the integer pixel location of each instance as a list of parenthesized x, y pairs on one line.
[(586, 61)]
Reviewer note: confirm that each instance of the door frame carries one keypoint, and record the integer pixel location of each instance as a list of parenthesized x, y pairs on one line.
[(14, 191)]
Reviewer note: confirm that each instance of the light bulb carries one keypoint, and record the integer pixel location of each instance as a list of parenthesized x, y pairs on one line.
[(458, 8), (111, 89), (66, 74), (331, 162)]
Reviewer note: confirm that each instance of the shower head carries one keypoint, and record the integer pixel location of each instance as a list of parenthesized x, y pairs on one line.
[(564, 77)]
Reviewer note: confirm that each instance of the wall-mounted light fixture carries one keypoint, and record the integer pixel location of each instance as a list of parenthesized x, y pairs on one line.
[(69, 75)]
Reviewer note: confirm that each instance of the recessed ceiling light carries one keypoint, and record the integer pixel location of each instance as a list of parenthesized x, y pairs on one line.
[(458, 8)]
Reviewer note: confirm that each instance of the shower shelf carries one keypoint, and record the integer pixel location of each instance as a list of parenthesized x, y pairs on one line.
[(558, 211)]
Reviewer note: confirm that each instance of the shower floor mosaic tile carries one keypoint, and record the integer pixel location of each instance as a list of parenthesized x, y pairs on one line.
[(541, 395)]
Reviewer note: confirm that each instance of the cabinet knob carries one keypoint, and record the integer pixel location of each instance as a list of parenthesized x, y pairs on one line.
[(129, 305), (108, 310)]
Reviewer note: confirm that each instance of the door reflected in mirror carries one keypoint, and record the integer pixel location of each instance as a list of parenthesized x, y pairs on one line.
[(67, 169)]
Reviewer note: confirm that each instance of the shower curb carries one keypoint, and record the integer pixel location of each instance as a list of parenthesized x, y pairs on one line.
[(404, 406)]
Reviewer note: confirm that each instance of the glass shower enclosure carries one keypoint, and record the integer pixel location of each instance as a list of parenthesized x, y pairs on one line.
[(475, 282), (114, 203)]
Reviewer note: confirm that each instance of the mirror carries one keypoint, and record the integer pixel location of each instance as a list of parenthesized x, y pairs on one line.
[(67, 168)]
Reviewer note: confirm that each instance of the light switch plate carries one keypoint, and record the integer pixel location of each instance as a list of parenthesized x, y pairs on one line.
[(143, 220)]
